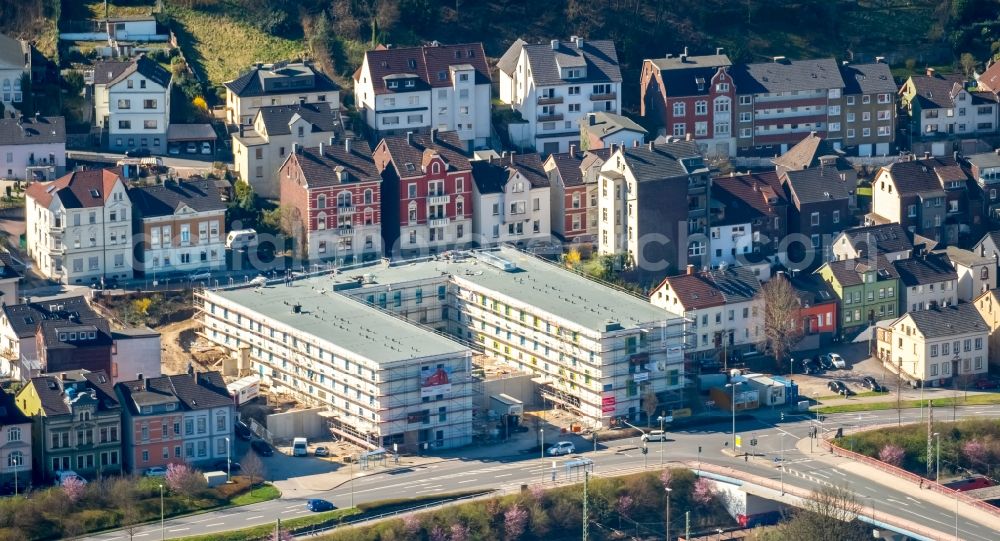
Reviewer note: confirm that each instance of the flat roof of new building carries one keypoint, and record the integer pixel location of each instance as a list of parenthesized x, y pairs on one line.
[(534, 281), (343, 321)]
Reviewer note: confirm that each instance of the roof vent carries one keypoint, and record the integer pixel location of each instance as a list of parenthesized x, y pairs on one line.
[(554, 44)]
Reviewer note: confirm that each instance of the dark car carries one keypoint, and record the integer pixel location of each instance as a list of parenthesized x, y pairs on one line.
[(243, 431), (810, 366), (221, 466), (839, 387), (262, 448), (137, 153), (316, 505), (869, 382), (987, 384), (825, 363)]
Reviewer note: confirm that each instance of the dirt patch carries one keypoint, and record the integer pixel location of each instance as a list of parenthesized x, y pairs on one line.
[(181, 345)]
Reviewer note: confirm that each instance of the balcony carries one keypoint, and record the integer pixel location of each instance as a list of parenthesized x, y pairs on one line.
[(438, 199), (438, 222), (603, 97), (550, 118), (346, 210), (345, 231), (552, 100)]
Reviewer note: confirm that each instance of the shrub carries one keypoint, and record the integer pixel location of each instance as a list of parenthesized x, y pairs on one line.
[(515, 519), (704, 491), (74, 488), (184, 481), (892, 455)]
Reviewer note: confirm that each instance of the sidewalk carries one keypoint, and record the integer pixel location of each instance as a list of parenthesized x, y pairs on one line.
[(306, 485), (913, 489)]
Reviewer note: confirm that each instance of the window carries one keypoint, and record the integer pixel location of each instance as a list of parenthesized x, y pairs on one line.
[(149, 104), (411, 190), (722, 105), (836, 216), (679, 129), (696, 248), (701, 107), (679, 109), (124, 124), (814, 218), (746, 100), (124, 104), (884, 115), (701, 129), (14, 432), (722, 87), (746, 116)]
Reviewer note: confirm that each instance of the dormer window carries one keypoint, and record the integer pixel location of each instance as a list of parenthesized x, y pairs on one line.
[(393, 84), (91, 335), (442, 75), (413, 64), (171, 407), (410, 83), (147, 409), (62, 337), (72, 336)]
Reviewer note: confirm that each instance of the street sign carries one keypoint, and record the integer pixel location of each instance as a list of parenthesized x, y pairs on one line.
[(739, 441)]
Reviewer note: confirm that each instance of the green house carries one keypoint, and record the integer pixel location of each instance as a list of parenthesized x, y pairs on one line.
[(868, 290)]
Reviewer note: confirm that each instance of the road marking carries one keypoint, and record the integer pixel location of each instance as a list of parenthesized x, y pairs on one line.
[(823, 475), (251, 518), (504, 475), (215, 524), (870, 489), (897, 501), (466, 481), (288, 511), (139, 534), (916, 501), (178, 530), (291, 506)]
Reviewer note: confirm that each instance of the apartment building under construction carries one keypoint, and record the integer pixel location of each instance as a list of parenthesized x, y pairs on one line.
[(388, 348)]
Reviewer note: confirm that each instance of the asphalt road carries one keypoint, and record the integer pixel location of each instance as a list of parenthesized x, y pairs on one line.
[(510, 472)]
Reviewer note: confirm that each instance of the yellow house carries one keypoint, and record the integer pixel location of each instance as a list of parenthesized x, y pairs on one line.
[(937, 345), (988, 305)]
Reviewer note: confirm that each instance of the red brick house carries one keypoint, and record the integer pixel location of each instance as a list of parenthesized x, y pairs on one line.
[(573, 188), (691, 95), (818, 305), (335, 190), (427, 187)]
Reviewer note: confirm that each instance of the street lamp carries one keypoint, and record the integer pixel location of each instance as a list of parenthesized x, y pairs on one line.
[(662, 419), (541, 438), (161, 512), (229, 462), (733, 386), (669, 490), (791, 366), (937, 468)]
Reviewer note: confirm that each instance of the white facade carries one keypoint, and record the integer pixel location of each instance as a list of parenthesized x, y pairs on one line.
[(184, 241), (925, 296), (135, 111), (21, 162), (934, 360), (518, 214), (135, 355), (462, 107), (734, 326), (15, 458), (728, 243), (205, 432), (82, 245), (970, 115), (12, 68), (553, 111)]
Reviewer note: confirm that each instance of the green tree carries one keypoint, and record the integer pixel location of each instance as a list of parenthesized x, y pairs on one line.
[(968, 63)]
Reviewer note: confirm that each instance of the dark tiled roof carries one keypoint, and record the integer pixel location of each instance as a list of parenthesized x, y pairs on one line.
[(849, 271), (748, 197), (917, 271), (430, 63), (51, 329), (787, 76), (250, 84), (492, 176), (320, 171), (714, 288), (948, 321), (12, 51), (985, 159), (819, 184), (812, 289), (806, 153), (7, 267), (886, 238), (967, 258), (10, 414), (164, 199), (77, 189), (571, 166), (277, 118), (508, 62), (666, 160), (599, 56), (407, 156), (868, 79), (937, 91), (683, 78), (108, 73), (198, 390), (50, 389), (25, 318), (32, 131), (927, 175)]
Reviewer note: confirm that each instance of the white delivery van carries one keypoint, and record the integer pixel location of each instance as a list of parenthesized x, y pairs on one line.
[(241, 238), (300, 447)]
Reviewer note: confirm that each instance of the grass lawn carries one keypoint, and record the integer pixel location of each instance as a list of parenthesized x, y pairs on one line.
[(258, 532), (974, 400), (260, 494), (858, 395), (95, 10), (220, 46)]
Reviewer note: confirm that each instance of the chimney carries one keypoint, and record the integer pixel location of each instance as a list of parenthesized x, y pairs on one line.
[(930, 72), (688, 136), (591, 118), (880, 60), (780, 60), (145, 382), (409, 138), (321, 148), (555, 44), (347, 145), (685, 52), (62, 376), (954, 155), (579, 42), (241, 130), (333, 139), (296, 148), (572, 151), (652, 147), (997, 151), (690, 269), (927, 155), (434, 135), (503, 154), (190, 369), (718, 50), (302, 101)]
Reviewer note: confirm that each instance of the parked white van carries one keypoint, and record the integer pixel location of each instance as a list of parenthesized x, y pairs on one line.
[(300, 447), (241, 238)]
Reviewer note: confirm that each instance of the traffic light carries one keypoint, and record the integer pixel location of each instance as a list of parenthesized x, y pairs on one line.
[(645, 450), (782, 417), (753, 442)]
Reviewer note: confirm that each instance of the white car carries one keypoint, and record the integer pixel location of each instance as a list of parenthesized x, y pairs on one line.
[(201, 275), (561, 448), (206, 148), (259, 281), (655, 435), (155, 471), (838, 361)]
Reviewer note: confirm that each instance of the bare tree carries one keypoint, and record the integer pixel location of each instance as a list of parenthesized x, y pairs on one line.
[(781, 325), (649, 404), (830, 514), (131, 520), (253, 467)]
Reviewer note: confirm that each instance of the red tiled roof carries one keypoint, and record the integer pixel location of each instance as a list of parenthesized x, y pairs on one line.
[(407, 152), (428, 63), (78, 189)]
